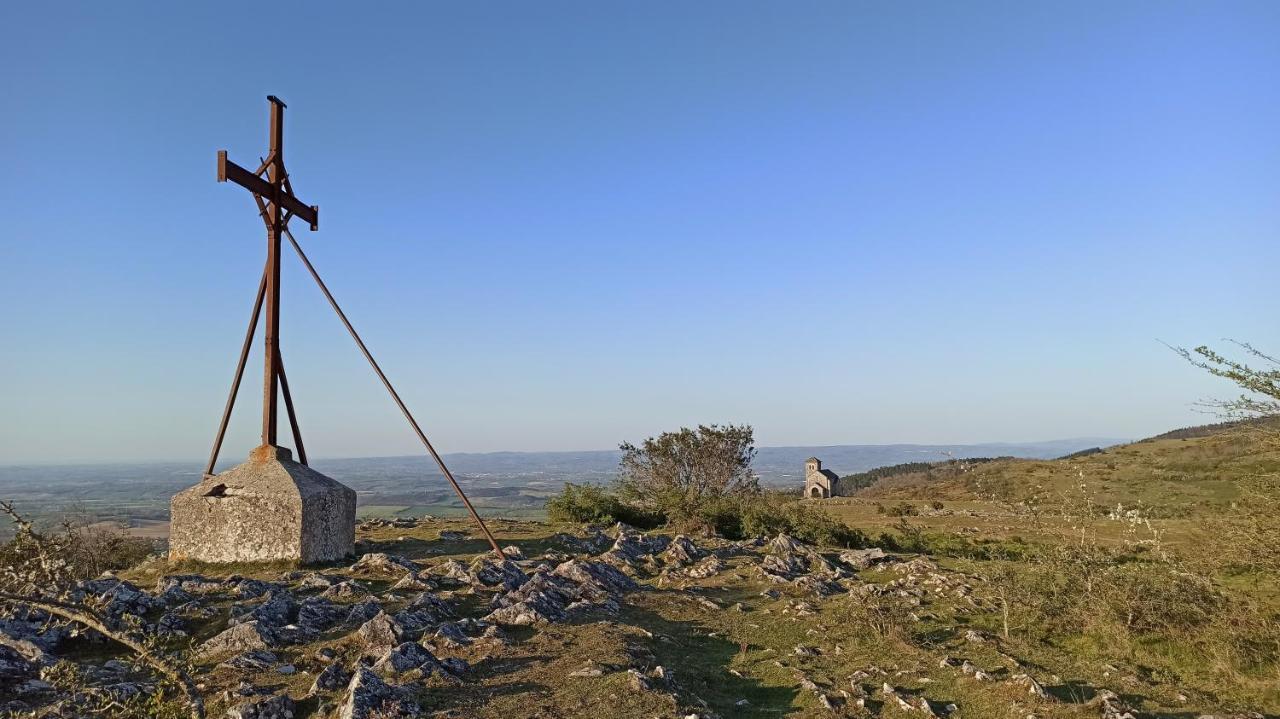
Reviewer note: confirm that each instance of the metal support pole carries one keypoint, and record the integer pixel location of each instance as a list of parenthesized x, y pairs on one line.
[(288, 405), (235, 383), (396, 396)]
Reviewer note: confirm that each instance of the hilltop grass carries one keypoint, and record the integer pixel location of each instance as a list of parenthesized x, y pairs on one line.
[(1151, 606)]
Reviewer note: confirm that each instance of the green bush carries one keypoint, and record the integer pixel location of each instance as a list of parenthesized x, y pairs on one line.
[(732, 517), (1147, 597), (903, 509), (772, 513), (590, 504)]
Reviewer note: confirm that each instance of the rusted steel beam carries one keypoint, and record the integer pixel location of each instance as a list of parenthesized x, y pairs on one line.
[(271, 375), (277, 205), (235, 383), (396, 397), (293, 418), (230, 171)]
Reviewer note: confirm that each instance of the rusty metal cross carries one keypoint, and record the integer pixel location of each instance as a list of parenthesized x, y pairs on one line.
[(277, 204)]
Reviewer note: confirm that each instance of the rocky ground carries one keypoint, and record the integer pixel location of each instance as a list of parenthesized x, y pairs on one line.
[(593, 623)]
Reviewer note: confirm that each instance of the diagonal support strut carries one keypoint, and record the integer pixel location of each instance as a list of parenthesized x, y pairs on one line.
[(395, 396), (235, 383), (288, 405)]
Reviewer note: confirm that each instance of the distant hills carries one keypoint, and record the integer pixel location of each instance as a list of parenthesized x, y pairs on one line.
[(774, 464), (1185, 472)]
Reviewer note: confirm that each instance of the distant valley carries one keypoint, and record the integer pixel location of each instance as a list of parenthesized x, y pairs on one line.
[(513, 484)]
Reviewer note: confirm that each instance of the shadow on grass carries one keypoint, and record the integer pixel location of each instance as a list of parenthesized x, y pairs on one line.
[(700, 666)]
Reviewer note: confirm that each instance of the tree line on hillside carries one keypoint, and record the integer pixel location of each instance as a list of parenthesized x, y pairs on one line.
[(863, 480)]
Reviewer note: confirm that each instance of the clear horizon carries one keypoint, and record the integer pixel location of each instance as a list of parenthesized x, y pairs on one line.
[(224, 458), (575, 224)]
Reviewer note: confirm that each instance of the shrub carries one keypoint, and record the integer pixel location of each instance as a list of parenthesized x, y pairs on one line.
[(882, 617), (590, 504), (772, 513), (1152, 597), (903, 509), (82, 549), (732, 517), (676, 473)]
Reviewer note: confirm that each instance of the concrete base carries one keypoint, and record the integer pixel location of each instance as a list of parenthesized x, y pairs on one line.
[(269, 508)]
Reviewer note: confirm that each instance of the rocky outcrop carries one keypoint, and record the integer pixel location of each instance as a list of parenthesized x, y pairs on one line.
[(368, 697)]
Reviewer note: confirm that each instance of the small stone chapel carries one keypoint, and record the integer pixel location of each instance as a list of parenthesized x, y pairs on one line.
[(819, 483)]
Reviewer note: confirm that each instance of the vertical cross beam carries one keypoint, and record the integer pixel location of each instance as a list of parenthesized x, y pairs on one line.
[(277, 205), (275, 177)]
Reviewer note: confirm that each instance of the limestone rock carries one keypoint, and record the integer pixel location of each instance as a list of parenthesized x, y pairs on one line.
[(407, 656), (681, 551), (245, 637), (368, 697), (453, 569), (863, 558), (380, 633), (332, 678), (706, 568), (381, 563), (269, 508), (413, 582), (276, 707), (345, 590)]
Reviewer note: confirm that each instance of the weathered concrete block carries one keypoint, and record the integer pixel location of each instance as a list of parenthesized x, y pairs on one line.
[(268, 508)]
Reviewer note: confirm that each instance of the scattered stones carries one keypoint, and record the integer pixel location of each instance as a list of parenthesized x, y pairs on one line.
[(706, 568), (345, 591), (276, 707), (406, 657), (681, 551), (381, 563), (255, 660), (1110, 706), (548, 596), (490, 574), (14, 666), (632, 549), (453, 569), (1033, 687), (863, 558), (316, 580), (363, 612), (450, 634), (413, 582), (319, 614), (368, 697)]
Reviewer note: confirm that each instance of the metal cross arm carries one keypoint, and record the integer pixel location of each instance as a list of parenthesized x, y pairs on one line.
[(228, 170)]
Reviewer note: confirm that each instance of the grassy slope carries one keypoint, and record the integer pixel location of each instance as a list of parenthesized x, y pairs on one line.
[(1192, 490), (1173, 477), (735, 653)]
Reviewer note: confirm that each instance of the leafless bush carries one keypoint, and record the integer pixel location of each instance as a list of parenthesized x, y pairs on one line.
[(40, 572)]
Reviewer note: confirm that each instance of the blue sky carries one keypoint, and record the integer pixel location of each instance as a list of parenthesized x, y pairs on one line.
[(564, 225)]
